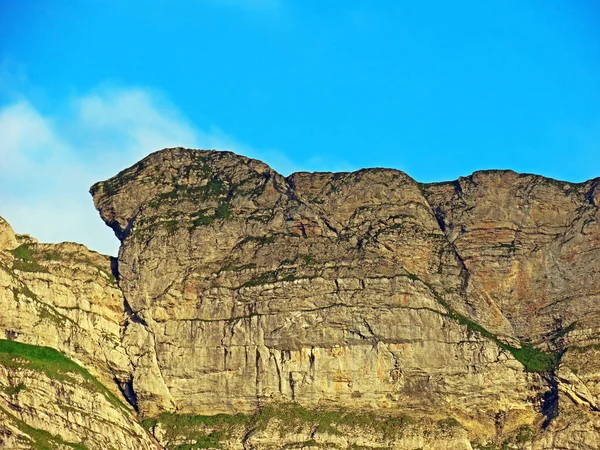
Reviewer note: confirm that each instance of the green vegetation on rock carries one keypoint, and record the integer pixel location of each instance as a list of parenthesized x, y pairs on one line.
[(223, 211), (201, 218), (271, 277), (14, 390), (40, 439), (212, 431), (215, 188), (533, 359), (25, 260), (33, 258), (204, 431), (110, 187), (53, 364)]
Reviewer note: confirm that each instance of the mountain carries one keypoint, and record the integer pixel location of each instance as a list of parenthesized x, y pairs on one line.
[(320, 310)]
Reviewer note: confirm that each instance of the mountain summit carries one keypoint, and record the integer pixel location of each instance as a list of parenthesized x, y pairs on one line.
[(320, 310)]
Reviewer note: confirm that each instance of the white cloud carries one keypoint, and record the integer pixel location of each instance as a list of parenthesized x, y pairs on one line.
[(49, 163), (25, 134)]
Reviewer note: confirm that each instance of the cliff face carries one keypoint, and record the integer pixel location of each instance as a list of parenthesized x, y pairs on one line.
[(352, 310), (472, 303), (62, 297)]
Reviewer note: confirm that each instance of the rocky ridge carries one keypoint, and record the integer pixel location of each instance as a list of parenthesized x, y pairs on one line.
[(366, 291), (319, 310)]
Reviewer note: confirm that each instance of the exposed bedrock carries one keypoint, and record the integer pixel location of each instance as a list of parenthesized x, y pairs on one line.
[(475, 299)]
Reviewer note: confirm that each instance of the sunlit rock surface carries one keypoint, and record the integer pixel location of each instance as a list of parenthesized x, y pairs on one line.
[(248, 310)]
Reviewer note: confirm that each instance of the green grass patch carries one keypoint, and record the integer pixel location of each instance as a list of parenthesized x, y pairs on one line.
[(524, 435), (448, 423), (14, 390), (215, 187), (51, 255), (533, 359), (200, 218), (308, 259), (25, 260), (211, 431), (210, 440), (223, 211), (263, 278), (109, 189), (23, 252), (53, 364), (204, 431), (564, 331), (171, 225)]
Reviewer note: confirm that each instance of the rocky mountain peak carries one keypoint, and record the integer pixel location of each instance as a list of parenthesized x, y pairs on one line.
[(320, 310), (340, 288)]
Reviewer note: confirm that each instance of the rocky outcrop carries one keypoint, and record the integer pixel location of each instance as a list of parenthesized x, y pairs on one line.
[(65, 297), (530, 246), (62, 297), (248, 310), (291, 426), (47, 401), (473, 301), (8, 240)]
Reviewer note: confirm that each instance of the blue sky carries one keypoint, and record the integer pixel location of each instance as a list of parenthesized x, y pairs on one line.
[(437, 89)]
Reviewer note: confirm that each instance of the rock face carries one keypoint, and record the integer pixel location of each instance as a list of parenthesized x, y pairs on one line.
[(247, 310), (472, 303), (47, 401), (8, 240), (62, 297)]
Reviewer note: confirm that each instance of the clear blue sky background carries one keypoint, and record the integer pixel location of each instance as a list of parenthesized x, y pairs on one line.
[(434, 88)]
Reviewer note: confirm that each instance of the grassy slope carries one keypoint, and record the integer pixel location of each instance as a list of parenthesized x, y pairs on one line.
[(52, 363)]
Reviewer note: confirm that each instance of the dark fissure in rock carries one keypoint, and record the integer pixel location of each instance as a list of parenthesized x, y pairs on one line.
[(550, 407), (126, 388), (114, 267)]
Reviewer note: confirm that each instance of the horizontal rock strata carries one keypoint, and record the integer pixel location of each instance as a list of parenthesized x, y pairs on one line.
[(248, 310), (474, 300)]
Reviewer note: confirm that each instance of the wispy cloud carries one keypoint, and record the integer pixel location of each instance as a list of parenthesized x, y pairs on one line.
[(49, 162)]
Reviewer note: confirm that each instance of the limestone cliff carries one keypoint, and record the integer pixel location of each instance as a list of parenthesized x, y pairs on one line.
[(472, 303), (62, 297), (248, 310)]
